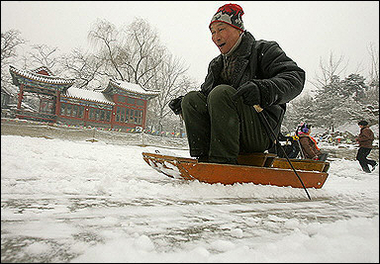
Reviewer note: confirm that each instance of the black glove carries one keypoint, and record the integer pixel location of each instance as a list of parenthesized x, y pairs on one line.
[(250, 93), (175, 105)]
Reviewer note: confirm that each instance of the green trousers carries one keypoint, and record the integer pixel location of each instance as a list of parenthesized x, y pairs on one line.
[(220, 128)]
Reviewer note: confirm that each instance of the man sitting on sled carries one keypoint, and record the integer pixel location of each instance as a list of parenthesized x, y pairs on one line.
[(220, 120)]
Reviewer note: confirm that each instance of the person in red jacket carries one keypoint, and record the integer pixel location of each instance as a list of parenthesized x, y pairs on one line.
[(365, 140), (309, 146)]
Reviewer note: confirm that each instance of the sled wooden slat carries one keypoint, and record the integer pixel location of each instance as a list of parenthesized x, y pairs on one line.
[(256, 159), (301, 164)]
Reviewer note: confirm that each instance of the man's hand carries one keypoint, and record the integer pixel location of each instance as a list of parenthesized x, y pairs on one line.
[(250, 93), (175, 105)]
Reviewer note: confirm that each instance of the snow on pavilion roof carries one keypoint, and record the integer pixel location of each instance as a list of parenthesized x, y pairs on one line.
[(129, 88), (88, 95), (33, 76)]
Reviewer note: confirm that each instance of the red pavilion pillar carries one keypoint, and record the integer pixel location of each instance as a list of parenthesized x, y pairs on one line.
[(145, 109), (58, 104), (20, 96)]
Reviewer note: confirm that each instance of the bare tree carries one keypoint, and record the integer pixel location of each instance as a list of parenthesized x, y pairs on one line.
[(10, 40), (43, 55), (374, 70), (130, 54), (333, 67), (105, 36), (84, 67), (171, 80), (370, 104), (144, 54)]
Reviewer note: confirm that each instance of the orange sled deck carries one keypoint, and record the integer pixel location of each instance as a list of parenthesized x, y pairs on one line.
[(257, 168)]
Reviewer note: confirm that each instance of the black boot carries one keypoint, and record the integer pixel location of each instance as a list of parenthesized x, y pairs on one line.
[(202, 159)]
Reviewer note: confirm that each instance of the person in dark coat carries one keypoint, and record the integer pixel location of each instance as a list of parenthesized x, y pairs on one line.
[(220, 119), (365, 140), (291, 146), (309, 145)]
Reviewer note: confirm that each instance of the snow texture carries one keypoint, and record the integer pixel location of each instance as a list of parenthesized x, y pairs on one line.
[(80, 201)]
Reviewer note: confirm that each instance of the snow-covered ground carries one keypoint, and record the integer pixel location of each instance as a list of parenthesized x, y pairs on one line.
[(80, 201)]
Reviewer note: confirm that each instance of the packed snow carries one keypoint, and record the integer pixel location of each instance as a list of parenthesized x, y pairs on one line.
[(82, 201)]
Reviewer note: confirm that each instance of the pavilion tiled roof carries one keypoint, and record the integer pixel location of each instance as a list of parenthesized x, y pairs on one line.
[(40, 77), (43, 68), (32, 77), (130, 87)]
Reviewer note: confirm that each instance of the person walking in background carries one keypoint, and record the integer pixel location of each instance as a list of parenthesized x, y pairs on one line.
[(220, 119), (365, 140)]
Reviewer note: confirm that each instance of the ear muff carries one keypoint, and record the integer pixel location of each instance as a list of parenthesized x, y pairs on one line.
[(305, 129)]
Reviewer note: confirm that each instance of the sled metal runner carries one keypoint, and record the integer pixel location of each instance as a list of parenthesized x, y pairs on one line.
[(258, 168)]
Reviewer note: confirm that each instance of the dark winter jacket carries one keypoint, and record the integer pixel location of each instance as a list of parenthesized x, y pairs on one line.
[(265, 63), (365, 137), (309, 147)]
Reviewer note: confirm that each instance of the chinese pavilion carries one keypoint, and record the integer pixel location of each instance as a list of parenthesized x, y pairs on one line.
[(121, 104)]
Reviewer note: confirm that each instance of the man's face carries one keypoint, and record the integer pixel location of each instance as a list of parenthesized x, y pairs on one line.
[(224, 36)]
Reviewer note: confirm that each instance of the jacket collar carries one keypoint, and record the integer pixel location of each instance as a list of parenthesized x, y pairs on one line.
[(237, 44), (244, 50)]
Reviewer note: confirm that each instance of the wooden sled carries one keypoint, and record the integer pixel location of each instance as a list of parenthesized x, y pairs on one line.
[(258, 168)]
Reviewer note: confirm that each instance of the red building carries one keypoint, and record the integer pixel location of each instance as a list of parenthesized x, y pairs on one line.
[(119, 105)]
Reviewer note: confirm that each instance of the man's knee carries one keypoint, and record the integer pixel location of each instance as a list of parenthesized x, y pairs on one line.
[(193, 99), (221, 92), (190, 97)]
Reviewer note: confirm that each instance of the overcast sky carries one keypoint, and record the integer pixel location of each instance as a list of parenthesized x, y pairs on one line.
[(306, 30)]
